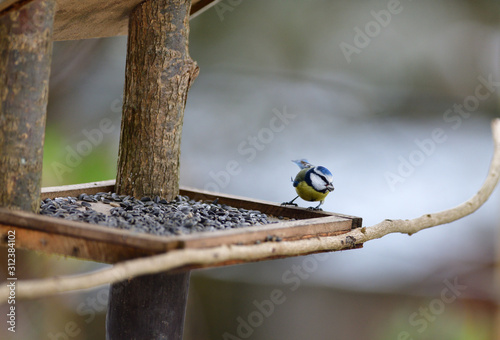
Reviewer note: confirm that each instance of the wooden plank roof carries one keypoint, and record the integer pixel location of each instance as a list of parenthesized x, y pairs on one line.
[(84, 19)]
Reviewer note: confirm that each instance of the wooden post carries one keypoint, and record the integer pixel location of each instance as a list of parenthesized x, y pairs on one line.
[(148, 307), (158, 75), (25, 55)]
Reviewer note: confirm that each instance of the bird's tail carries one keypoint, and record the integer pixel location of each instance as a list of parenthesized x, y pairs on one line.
[(303, 163)]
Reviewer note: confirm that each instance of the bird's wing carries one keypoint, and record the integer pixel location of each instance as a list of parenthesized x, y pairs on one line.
[(301, 176)]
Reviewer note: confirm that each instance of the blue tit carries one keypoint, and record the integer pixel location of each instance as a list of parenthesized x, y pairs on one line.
[(312, 183)]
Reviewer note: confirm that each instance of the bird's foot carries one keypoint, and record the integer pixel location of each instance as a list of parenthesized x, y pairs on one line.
[(290, 203), (315, 209)]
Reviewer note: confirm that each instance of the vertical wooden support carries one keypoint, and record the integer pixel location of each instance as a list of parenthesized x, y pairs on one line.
[(148, 307), (25, 55), (158, 75)]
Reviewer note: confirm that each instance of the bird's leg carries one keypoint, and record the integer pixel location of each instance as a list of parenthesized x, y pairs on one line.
[(317, 207), (291, 202)]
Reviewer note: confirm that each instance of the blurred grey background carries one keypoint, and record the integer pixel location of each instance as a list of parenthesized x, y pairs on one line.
[(394, 97)]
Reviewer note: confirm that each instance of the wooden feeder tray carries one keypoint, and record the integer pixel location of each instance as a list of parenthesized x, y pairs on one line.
[(105, 244)]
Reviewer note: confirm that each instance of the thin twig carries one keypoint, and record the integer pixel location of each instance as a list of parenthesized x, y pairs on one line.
[(178, 258)]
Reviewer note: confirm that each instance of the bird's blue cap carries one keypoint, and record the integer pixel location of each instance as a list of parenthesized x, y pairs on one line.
[(324, 171)]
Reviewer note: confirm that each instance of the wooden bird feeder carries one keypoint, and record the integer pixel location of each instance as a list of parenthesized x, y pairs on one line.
[(158, 75)]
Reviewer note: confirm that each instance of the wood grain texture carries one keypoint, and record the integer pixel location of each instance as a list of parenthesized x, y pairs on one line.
[(25, 56), (158, 75), (85, 19), (109, 245), (148, 307), (5, 4)]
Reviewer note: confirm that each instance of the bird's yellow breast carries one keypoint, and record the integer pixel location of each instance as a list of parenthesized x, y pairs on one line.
[(307, 193)]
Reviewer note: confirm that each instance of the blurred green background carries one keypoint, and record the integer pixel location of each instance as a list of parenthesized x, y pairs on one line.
[(361, 104)]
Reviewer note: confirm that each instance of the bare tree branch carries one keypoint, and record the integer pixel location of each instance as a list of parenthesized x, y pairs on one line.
[(178, 258)]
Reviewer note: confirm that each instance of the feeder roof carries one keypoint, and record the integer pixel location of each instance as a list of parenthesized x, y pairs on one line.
[(85, 19)]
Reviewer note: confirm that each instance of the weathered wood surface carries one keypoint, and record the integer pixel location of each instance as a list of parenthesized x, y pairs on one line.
[(158, 74), (84, 19), (109, 245), (4, 4), (267, 207), (148, 307), (25, 56)]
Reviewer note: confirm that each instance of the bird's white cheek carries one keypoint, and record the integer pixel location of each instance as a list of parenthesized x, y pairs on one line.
[(317, 182)]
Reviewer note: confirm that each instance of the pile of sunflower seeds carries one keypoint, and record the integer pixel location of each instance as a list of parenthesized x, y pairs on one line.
[(151, 215)]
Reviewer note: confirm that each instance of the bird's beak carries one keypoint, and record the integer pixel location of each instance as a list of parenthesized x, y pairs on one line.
[(330, 187)]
